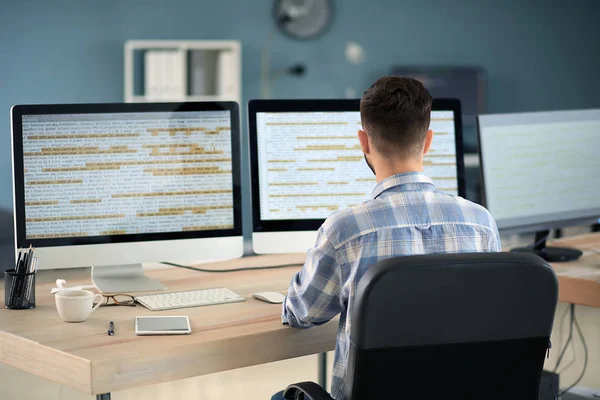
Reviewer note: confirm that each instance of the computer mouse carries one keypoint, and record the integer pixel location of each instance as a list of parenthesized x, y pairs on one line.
[(270, 297)]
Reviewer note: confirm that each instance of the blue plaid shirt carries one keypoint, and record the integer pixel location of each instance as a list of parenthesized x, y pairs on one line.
[(406, 216)]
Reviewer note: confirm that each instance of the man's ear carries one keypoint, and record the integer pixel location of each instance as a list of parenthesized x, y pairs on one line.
[(428, 140), (364, 141)]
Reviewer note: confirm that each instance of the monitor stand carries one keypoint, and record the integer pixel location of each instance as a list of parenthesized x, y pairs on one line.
[(123, 279), (550, 254)]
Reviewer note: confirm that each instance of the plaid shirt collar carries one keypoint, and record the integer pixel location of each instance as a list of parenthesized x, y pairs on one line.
[(399, 180)]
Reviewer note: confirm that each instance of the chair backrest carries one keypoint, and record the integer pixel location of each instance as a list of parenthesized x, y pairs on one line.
[(445, 326)]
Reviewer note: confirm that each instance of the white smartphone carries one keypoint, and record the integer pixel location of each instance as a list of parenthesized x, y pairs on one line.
[(163, 325)]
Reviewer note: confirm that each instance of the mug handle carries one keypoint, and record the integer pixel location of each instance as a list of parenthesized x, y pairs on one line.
[(99, 303)]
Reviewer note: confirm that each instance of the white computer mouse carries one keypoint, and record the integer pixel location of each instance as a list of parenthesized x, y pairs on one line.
[(270, 297)]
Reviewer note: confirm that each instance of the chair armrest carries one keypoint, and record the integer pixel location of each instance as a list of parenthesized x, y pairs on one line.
[(305, 391)]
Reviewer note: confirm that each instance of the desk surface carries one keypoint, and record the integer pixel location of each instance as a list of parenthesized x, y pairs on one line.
[(228, 336), (223, 337), (580, 280)]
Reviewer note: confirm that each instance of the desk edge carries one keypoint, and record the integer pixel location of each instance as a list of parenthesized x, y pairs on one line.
[(52, 364)]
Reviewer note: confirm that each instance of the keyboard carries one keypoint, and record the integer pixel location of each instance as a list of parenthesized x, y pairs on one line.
[(188, 298)]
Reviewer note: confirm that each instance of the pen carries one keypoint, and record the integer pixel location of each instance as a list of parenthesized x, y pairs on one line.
[(18, 259), (30, 287), (32, 264), (18, 283), (29, 260), (111, 328)]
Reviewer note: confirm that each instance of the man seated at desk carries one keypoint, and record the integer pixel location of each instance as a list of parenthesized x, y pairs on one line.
[(405, 216)]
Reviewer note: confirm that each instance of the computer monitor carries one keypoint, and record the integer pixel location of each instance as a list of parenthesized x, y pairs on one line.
[(113, 184), (540, 172), (306, 163)]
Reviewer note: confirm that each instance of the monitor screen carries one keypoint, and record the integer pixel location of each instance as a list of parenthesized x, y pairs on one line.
[(540, 170), (126, 174), (311, 164), (307, 162)]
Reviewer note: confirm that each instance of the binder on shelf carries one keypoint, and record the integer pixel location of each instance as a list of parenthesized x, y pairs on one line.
[(224, 71), (157, 69), (177, 79), (198, 73), (165, 70), (151, 74)]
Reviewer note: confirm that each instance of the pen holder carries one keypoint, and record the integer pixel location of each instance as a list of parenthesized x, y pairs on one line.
[(19, 290)]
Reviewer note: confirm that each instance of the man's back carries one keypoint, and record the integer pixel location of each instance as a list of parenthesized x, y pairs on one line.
[(406, 216)]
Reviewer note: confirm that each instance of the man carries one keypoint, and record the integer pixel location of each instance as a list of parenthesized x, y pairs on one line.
[(405, 216)]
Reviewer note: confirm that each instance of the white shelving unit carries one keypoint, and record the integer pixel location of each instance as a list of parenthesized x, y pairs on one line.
[(188, 70)]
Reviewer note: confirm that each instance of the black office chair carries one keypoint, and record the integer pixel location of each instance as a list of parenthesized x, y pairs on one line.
[(448, 326)]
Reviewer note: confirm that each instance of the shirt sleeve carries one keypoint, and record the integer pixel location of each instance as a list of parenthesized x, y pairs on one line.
[(314, 296), (494, 244)]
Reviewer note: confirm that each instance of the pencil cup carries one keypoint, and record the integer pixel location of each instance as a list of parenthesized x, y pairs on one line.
[(19, 290)]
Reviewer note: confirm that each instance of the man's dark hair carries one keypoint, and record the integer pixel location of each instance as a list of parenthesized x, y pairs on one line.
[(395, 113)]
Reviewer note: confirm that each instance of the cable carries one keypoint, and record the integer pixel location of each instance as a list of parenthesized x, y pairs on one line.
[(570, 364), (562, 323), (562, 353), (232, 269), (571, 345), (561, 328), (534, 244), (585, 356), (592, 250)]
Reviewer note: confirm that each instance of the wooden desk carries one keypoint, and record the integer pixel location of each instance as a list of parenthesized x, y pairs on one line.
[(224, 337), (580, 280)]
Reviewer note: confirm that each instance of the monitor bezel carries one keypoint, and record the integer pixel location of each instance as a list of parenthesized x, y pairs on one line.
[(327, 105), (17, 113), (543, 222)]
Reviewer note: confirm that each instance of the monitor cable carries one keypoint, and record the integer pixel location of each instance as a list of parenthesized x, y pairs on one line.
[(539, 241), (569, 338), (592, 250), (560, 344), (585, 355), (231, 269)]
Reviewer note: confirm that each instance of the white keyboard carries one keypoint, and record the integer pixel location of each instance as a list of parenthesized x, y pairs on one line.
[(189, 298)]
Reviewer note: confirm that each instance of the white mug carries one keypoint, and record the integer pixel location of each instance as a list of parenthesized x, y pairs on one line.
[(76, 305)]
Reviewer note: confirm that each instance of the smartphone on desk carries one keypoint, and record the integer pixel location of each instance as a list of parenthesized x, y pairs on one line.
[(163, 325)]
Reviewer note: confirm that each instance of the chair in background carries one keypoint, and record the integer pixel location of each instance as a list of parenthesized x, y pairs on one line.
[(448, 326)]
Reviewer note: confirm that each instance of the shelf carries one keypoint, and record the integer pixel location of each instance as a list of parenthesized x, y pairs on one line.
[(182, 70), (148, 99), (182, 44)]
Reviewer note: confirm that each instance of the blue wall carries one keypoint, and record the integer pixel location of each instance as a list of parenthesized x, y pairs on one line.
[(539, 54)]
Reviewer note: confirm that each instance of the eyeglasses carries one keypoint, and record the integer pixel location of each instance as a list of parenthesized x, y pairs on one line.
[(118, 300)]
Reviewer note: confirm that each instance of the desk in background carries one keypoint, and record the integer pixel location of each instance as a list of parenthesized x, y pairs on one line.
[(579, 281)]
